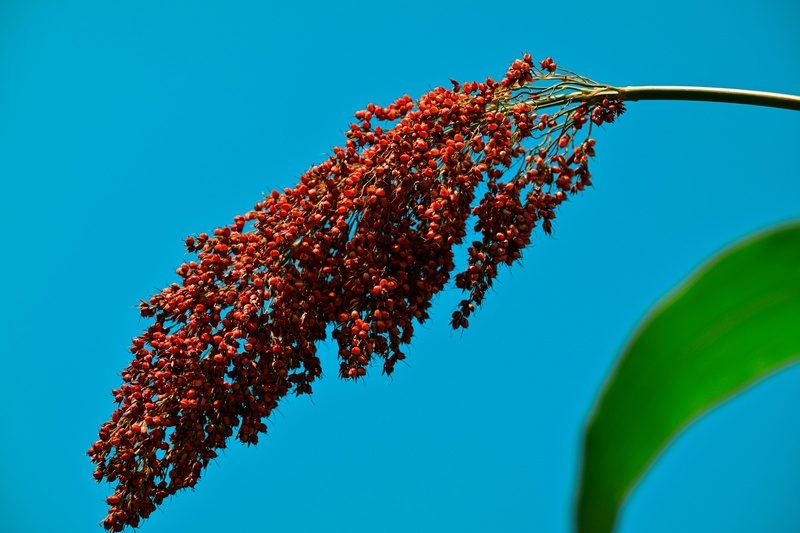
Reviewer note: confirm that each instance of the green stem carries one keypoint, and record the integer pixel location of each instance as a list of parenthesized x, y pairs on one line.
[(702, 94)]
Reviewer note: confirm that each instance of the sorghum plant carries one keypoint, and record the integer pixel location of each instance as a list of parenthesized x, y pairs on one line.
[(361, 243)]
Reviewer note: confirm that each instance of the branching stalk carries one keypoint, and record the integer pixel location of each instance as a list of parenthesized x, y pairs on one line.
[(700, 94)]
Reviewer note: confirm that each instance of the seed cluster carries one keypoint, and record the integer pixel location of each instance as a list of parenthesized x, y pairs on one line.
[(361, 243)]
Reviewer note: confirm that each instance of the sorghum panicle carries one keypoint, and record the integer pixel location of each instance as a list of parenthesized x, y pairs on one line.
[(362, 242)]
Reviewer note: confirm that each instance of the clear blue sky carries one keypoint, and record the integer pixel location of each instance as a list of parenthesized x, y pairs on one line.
[(126, 126)]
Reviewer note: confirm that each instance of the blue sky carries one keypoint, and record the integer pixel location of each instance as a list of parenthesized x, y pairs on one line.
[(125, 127)]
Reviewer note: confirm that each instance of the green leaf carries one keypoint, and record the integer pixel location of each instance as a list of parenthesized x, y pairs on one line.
[(733, 321)]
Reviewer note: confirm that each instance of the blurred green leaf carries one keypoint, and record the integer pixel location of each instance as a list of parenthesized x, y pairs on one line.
[(730, 323)]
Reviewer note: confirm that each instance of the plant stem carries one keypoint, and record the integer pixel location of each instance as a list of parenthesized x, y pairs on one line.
[(702, 94)]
